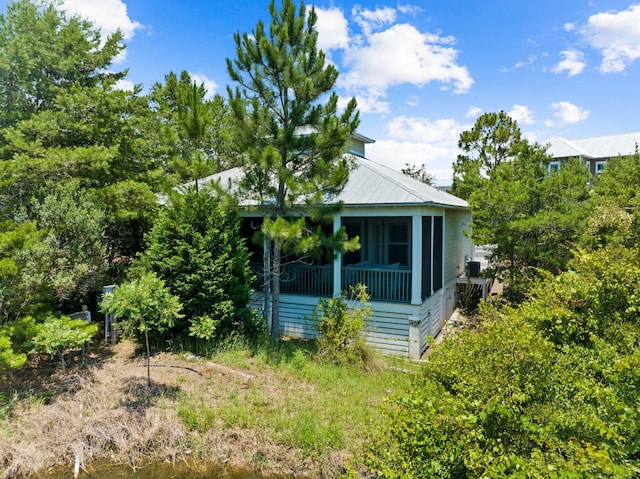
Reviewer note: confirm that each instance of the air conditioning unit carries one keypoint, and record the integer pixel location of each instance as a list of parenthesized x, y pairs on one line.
[(473, 269)]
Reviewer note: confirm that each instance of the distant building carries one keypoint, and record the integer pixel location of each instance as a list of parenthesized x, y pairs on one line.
[(594, 151)]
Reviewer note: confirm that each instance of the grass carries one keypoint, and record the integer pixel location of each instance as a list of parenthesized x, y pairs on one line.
[(272, 409), (314, 407)]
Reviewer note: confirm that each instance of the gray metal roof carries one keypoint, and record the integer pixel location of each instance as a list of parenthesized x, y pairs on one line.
[(370, 184), (594, 147)]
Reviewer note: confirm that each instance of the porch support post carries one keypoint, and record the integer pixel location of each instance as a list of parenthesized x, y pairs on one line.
[(337, 273), (416, 259), (414, 337)]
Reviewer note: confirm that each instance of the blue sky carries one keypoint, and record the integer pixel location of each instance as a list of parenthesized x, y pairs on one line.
[(422, 71)]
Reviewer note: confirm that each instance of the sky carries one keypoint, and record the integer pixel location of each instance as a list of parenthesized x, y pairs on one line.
[(421, 71)]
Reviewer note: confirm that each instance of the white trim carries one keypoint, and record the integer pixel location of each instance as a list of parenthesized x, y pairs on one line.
[(337, 263), (416, 260)]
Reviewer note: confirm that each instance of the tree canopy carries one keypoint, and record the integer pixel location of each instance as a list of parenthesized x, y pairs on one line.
[(289, 125), (531, 217)]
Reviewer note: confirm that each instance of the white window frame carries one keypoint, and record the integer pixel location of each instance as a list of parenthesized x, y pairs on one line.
[(600, 166)]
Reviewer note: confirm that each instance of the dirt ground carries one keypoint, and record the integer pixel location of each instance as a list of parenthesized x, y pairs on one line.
[(104, 410)]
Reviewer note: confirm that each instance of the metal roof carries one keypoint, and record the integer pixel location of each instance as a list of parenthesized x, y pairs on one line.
[(594, 147), (369, 184)]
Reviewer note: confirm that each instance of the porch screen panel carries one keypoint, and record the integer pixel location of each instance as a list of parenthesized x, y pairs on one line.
[(354, 227), (426, 256), (437, 252)]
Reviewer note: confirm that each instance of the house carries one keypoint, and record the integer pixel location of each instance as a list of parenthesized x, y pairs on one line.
[(413, 252), (594, 151)]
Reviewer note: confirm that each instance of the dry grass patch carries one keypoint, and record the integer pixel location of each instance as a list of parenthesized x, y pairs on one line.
[(270, 412)]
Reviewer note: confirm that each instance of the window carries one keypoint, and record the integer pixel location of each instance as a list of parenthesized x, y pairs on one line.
[(399, 244), (553, 166), (383, 241), (600, 166)]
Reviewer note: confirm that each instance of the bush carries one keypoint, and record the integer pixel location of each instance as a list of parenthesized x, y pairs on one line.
[(545, 390), (340, 323), (196, 248), (58, 335)]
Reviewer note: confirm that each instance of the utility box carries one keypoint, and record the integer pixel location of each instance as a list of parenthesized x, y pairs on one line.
[(473, 269)]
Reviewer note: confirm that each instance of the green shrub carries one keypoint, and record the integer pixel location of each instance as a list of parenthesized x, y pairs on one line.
[(196, 248), (548, 389), (340, 323), (58, 335)]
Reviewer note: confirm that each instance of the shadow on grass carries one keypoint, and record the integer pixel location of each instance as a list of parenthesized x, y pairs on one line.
[(138, 395), (41, 378)]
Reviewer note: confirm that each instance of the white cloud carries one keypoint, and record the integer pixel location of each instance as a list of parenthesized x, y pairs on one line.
[(402, 54), (371, 102), (382, 54), (422, 129), (370, 20), (124, 85), (573, 63), (474, 112), (529, 61), (522, 115), (106, 15), (410, 9), (569, 27), (418, 141), (438, 160), (568, 112), (210, 85), (414, 101), (617, 36), (333, 28)]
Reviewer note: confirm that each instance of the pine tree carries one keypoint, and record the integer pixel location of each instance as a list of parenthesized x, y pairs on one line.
[(294, 137), (196, 134)]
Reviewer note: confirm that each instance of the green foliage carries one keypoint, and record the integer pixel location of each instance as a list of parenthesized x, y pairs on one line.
[(143, 305), (288, 122), (617, 187), (75, 257), (599, 294), (63, 119), (196, 248), (490, 143), (548, 389), (43, 52), (197, 133), (9, 358), (57, 335), (532, 217), (419, 174), (19, 293), (340, 324)]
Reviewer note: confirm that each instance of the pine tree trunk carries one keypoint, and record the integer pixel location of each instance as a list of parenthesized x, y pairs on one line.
[(266, 282), (275, 292)]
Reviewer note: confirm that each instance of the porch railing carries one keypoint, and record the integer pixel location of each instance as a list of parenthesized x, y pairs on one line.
[(300, 278), (384, 283)]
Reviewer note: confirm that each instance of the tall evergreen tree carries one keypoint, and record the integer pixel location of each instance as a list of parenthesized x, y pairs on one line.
[(294, 136), (43, 52), (531, 217), (494, 139), (196, 133), (62, 118), (196, 248)]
